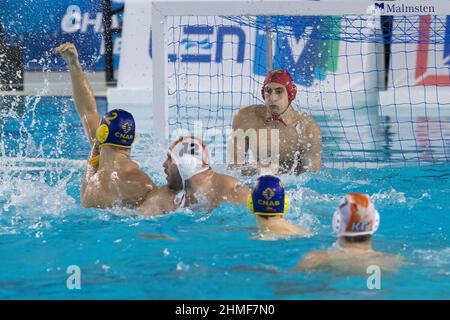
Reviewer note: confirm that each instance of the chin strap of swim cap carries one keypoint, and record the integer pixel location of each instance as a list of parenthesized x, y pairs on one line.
[(190, 156), (276, 118), (268, 197), (356, 216)]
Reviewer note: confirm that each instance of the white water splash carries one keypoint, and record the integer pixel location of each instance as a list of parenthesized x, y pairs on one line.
[(307, 221), (36, 198), (105, 267), (390, 197), (311, 196), (7, 230), (182, 267), (435, 258)]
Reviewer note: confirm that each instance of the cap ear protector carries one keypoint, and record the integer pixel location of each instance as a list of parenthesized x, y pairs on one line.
[(190, 156), (337, 225), (250, 207), (102, 133)]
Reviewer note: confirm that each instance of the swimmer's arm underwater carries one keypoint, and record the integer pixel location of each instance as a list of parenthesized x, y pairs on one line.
[(136, 186), (82, 91), (311, 261)]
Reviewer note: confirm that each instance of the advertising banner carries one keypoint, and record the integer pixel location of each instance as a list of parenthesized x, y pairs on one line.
[(40, 25), (423, 57)]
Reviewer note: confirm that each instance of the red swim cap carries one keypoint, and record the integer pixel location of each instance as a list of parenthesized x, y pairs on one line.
[(284, 78)]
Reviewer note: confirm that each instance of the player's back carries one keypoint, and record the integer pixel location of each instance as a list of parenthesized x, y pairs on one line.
[(349, 261), (123, 184)]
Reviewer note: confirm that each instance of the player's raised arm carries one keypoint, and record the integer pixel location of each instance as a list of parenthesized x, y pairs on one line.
[(82, 91), (89, 186)]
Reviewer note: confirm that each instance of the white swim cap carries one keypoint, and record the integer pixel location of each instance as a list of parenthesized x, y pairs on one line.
[(190, 156), (356, 216)]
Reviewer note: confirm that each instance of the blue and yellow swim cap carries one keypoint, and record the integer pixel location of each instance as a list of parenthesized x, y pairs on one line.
[(268, 197), (117, 129)]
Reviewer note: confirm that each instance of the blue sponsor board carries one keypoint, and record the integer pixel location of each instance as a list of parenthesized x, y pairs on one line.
[(312, 61), (41, 25), (205, 45), (318, 55)]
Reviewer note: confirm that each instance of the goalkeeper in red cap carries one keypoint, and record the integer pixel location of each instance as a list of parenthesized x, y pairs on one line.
[(279, 137)]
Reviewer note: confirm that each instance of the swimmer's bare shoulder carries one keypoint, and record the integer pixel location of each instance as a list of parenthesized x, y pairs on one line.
[(328, 261), (158, 202), (386, 262), (135, 184), (128, 186), (356, 263), (131, 171), (94, 195), (247, 116), (288, 231), (296, 230), (312, 260), (350, 262), (231, 189), (307, 125)]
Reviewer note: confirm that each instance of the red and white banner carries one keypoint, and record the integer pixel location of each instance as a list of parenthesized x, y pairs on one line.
[(421, 51)]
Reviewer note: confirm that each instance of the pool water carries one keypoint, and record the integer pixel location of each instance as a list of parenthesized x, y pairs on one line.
[(188, 255)]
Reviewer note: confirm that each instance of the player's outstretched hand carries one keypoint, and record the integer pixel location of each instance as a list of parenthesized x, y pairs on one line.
[(68, 52)]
